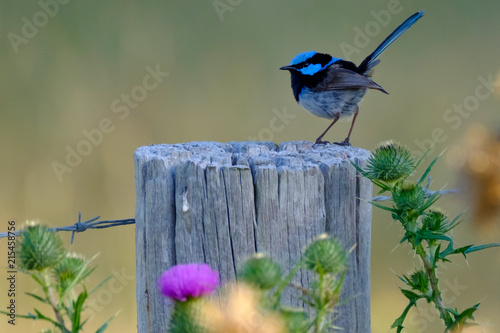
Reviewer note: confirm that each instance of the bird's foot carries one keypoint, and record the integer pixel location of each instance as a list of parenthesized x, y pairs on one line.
[(344, 143), (319, 142)]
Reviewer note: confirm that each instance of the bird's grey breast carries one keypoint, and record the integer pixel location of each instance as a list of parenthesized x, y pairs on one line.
[(329, 104)]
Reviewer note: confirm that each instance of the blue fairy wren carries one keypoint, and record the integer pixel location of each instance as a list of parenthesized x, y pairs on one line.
[(330, 87)]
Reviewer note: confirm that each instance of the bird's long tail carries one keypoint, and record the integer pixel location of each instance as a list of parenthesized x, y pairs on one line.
[(371, 60)]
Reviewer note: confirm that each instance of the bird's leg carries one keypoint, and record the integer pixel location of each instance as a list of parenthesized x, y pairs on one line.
[(346, 141), (318, 140)]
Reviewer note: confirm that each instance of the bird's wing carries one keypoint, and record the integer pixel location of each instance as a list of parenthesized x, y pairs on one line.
[(342, 79)]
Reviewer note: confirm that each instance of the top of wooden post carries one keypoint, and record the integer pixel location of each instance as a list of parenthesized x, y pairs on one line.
[(235, 152)]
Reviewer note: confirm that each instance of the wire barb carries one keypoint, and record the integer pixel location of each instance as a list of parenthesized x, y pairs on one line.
[(81, 226)]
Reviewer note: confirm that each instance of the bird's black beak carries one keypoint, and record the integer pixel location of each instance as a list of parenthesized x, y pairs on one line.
[(287, 68)]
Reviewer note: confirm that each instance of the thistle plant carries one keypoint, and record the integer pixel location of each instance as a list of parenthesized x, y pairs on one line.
[(425, 228), (254, 305), (41, 254), (185, 285), (326, 259)]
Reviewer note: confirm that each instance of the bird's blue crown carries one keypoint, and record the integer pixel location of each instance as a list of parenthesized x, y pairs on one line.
[(313, 62)]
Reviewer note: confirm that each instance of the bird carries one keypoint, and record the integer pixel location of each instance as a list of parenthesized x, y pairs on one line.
[(332, 88)]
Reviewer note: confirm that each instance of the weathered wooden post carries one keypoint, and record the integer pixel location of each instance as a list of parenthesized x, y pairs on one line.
[(218, 203)]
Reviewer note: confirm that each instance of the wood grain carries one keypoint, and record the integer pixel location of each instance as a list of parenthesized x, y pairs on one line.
[(219, 203)]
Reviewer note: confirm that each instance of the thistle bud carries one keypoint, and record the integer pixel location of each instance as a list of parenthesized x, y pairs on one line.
[(260, 271), (418, 281), (409, 196), (186, 317), (39, 248), (436, 221), (390, 162), (296, 320), (325, 255), (70, 271)]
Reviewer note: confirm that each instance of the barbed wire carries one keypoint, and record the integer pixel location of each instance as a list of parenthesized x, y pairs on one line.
[(90, 224), (80, 226)]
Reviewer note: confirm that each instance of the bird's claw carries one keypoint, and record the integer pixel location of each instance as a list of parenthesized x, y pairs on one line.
[(319, 142), (344, 143)]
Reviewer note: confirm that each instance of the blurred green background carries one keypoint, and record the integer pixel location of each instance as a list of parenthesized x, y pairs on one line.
[(222, 58)]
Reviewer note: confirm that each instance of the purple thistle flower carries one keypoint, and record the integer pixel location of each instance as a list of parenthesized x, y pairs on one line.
[(191, 280)]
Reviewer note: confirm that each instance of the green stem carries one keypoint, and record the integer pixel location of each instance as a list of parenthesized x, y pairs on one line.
[(49, 295), (321, 306), (436, 293)]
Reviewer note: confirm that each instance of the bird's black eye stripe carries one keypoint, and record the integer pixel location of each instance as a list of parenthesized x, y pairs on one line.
[(320, 58)]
